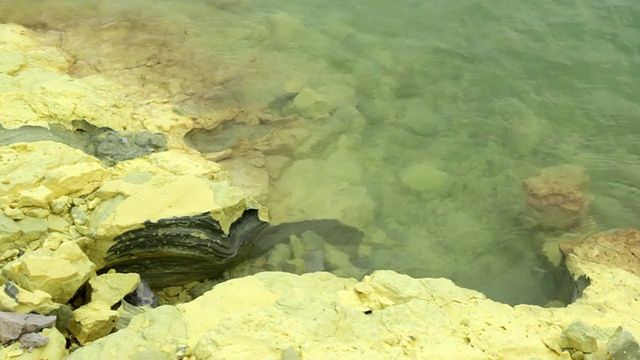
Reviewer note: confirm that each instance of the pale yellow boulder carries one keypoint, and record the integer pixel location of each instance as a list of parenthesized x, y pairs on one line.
[(80, 179), (111, 287), (59, 273), (39, 196), (25, 165), (168, 196), (93, 321)]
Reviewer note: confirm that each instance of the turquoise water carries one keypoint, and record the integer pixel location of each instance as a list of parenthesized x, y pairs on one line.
[(441, 109)]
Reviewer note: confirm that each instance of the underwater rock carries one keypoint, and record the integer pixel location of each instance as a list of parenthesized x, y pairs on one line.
[(557, 197)]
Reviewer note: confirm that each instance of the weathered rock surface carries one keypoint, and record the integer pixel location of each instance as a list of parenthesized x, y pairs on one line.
[(557, 197)]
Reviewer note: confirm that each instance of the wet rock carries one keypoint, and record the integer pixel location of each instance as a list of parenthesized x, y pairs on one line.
[(312, 105), (623, 346), (424, 178), (557, 197), (59, 273), (579, 336)]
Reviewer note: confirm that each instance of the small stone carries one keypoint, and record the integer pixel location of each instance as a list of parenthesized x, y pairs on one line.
[(79, 215), (57, 224), (14, 213), (623, 346), (38, 213), (172, 290), (39, 197), (579, 336), (60, 204), (33, 340), (32, 228)]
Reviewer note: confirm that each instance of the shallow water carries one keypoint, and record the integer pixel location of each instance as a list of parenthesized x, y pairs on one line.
[(463, 99)]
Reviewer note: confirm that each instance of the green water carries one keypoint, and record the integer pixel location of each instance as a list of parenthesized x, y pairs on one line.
[(485, 92)]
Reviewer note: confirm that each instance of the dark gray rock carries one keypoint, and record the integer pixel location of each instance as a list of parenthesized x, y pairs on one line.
[(623, 346), (142, 296)]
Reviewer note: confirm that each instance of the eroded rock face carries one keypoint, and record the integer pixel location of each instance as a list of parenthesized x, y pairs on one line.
[(620, 249), (557, 197)]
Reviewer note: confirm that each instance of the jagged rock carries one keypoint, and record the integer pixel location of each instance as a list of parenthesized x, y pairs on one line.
[(110, 288), (33, 340), (623, 346), (93, 321), (579, 336), (39, 196), (12, 325), (60, 273), (14, 298)]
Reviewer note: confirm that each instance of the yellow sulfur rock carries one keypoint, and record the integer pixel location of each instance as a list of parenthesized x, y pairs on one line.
[(80, 178), (39, 196), (111, 287), (59, 273), (93, 321), (27, 301)]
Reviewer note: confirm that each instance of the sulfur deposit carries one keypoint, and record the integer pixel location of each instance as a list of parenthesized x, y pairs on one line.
[(62, 208)]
